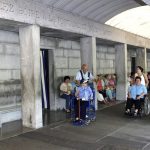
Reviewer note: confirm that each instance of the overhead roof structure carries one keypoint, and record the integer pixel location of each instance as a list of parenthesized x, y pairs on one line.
[(136, 20), (147, 1), (97, 10)]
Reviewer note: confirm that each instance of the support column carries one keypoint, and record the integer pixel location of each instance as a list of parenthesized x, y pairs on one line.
[(88, 56), (30, 76), (141, 58), (121, 71), (88, 53)]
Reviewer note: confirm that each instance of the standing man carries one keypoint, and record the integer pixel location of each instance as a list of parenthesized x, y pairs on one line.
[(84, 74)]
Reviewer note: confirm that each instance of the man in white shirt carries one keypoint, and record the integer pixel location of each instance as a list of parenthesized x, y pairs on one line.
[(83, 74)]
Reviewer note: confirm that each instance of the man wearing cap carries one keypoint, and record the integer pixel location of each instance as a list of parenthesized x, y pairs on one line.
[(83, 94)]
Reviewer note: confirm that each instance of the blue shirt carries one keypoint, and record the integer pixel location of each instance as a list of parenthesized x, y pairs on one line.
[(137, 90), (85, 93)]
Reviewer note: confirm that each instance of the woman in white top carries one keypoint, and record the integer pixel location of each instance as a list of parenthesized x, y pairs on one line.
[(139, 72)]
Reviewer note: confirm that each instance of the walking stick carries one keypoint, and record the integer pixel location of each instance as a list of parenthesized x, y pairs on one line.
[(79, 108)]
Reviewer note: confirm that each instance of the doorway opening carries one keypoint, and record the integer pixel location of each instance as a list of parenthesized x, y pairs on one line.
[(133, 65), (45, 79)]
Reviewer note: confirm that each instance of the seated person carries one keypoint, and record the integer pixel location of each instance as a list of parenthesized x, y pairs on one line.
[(65, 91), (128, 102), (108, 87), (100, 98), (83, 94), (112, 83), (136, 95), (101, 86)]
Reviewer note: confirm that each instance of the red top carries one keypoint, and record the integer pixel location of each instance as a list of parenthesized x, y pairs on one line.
[(99, 85)]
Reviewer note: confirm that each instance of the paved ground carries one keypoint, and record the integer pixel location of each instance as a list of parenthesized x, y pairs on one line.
[(111, 131)]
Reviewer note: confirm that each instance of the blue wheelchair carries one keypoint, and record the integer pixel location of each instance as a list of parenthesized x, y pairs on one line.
[(76, 110)]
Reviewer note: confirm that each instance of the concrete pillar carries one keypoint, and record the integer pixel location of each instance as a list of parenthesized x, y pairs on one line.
[(141, 58), (88, 53), (30, 76), (121, 71), (88, 56)]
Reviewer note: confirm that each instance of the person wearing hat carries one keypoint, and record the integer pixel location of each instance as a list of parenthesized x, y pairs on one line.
[(83, 94)]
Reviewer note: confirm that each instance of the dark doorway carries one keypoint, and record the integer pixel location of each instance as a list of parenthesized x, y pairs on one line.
[(50, 115), (45, 79), (133, 64)]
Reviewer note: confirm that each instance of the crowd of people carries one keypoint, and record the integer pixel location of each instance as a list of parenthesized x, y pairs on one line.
[(137, 89), (80, 88), (106, 88)]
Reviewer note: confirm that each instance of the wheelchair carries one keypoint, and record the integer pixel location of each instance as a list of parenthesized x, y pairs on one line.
[(145, 108), (90, 111)]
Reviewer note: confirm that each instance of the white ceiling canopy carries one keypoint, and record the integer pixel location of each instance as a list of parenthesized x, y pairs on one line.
[(147, 1), (96, 10), (136, 20)]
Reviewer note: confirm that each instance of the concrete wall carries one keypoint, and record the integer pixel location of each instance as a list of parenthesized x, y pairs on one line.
[(148, 61), (131, 53), (67, 61), (67, 58), (10, 87), (129, 61), (105, 59)]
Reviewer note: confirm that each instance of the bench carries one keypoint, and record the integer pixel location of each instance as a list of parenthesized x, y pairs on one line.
[(9, 114), (61, 104)]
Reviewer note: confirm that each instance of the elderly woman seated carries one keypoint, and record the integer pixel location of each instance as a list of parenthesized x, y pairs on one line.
[(65, 91), (136, 95)]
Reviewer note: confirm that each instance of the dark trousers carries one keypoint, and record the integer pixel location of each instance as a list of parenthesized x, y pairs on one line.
[(68, 98), (128, 103), (103, 92), (137, 103), (80, 109)]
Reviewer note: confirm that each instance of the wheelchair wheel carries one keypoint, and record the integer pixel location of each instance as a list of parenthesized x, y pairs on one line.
[(146, 106)]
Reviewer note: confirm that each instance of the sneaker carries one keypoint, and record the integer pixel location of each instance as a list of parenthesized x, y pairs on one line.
[(135, 114), (87, 122), (127, 112), (93, 119)]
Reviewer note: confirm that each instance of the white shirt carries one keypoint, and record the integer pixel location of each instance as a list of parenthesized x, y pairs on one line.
[(85, 76), (142, 80)]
